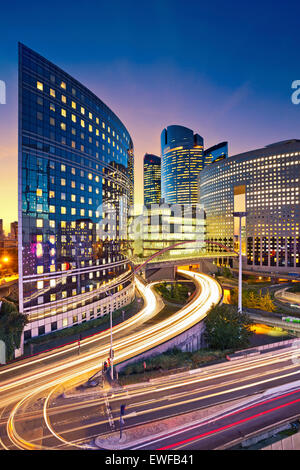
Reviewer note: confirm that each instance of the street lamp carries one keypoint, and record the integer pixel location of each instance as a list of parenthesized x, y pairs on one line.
[(111, 351), (240, 215)]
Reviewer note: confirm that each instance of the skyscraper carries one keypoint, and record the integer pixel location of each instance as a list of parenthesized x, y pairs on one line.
[(152, 179), (182, 160), (216, 153), (75, 183)]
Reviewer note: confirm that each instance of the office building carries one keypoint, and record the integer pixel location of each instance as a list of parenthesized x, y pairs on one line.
[(216, 153), (266, 183), (75, 184), (182, 160), (152, 179)]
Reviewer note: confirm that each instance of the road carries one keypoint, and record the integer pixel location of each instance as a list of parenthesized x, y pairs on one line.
[(25, 385), (74, 422)]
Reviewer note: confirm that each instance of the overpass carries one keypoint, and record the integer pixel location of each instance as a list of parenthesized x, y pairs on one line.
[(293, 328), (162, 265)]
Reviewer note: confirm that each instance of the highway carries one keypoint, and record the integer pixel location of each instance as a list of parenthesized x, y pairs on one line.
[(38, 416), (24, 384), (74, 422)]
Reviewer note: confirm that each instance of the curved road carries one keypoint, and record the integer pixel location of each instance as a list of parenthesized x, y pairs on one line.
[(25, 385)]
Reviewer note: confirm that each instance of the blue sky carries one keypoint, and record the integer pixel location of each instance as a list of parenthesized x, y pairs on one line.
[(223, 69)]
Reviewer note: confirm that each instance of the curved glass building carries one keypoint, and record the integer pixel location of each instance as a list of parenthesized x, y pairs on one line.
[(152, 179), (266, 183), (182, 159), (75, 184)]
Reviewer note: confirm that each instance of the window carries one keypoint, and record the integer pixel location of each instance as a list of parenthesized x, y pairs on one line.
[(52, 92), (63, 85), (41, 330), (40, 86)]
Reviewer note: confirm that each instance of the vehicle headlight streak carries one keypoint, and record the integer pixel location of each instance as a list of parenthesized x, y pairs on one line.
[(184, 319)]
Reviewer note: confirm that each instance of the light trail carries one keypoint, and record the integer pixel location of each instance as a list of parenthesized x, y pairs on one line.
[(188, 316), (184, 442), (134, 344)]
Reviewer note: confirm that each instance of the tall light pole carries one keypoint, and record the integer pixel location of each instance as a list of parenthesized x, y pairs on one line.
[(240, 215), (111, 351)]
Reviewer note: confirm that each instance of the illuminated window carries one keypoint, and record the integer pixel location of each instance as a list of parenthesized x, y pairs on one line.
[(40, 86), (73, 118), (63, 112), (82, 110), (39, 192), (63, 85), (63, 99), (39, 223), (52, 107), (73, 105), (52, 92)]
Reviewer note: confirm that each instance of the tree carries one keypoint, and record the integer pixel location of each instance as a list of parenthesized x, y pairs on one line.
[(253, 299), (12, 323), (226, 328)]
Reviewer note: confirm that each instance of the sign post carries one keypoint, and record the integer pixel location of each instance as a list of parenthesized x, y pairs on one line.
[(122, 413)]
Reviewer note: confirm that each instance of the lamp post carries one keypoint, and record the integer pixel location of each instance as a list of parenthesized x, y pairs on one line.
[(240, 215)]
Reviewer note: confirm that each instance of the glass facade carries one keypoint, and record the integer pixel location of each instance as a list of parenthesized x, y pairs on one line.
[(152, 179), (270, 180), (75, 184), (182, 159), (216, 153), (165, 225)]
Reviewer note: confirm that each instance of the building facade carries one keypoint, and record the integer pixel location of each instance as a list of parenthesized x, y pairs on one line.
[(152, 179), (265, 183), (216, 153), (75, 185), (182, 160), (164, 225)]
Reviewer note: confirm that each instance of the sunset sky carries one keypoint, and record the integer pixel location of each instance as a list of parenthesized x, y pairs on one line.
[(223, 69)]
